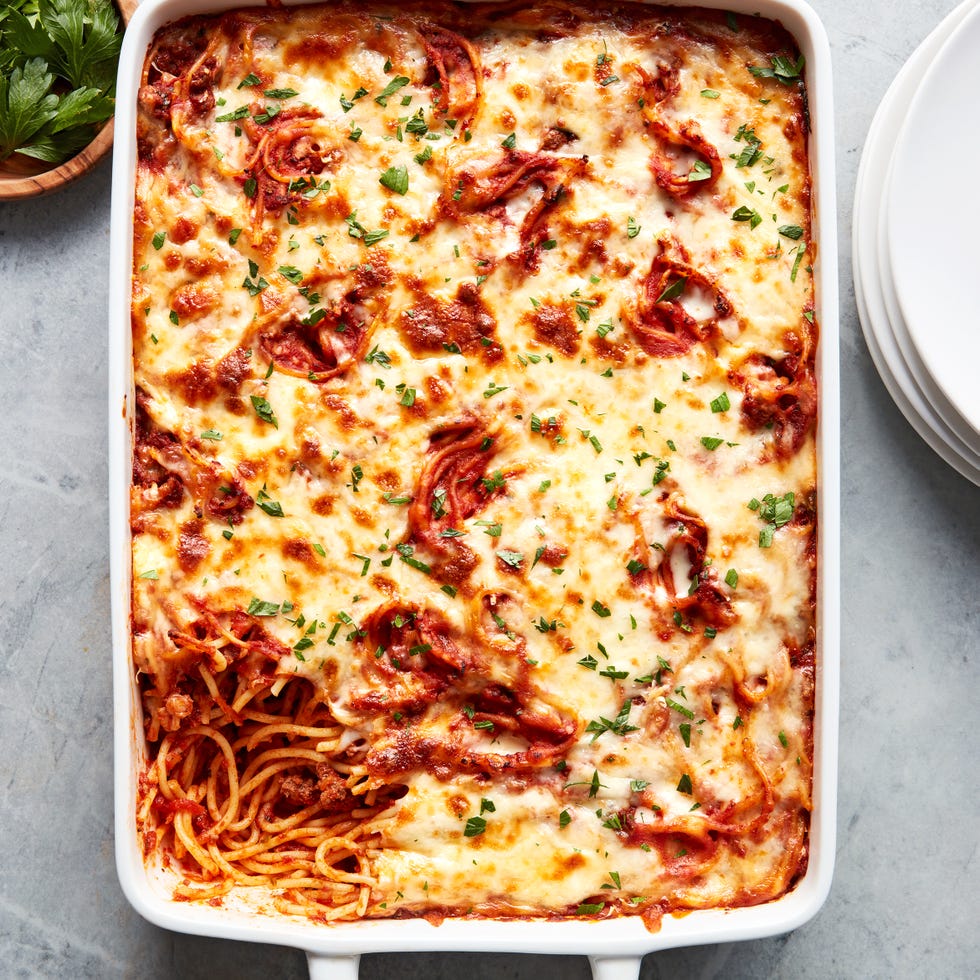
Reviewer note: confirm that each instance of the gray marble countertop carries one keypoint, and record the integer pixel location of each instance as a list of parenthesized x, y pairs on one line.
[(906, 885)]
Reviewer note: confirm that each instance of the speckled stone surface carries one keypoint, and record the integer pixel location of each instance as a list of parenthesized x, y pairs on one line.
[(906, 890)]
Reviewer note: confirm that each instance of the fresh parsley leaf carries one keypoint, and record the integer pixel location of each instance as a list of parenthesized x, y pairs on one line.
[(673, 291), (264, 410), (399, 81), (395, 179), (475, 825), (258, 607)]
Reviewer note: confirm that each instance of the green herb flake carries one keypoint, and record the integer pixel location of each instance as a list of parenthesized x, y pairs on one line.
[(672, 291), (264, 410), (721, 403), (747, 214), (395, 179), (398, 82), (513, 559), (700, 171), (475, 825), (258, 607)]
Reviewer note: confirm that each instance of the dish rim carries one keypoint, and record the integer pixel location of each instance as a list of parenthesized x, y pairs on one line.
[(622, 937)]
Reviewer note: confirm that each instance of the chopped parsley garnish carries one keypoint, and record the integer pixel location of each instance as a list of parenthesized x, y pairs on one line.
[(272, 507), (776, 511), (475, 825), (564, 818), (700, 171), (398, 82), (686, 712), (673, 291), (406, 553), (731, 578), (711, 442), (290, 272), (514, 559), (600, 609), (685, 785), (590, 908), (632, 228), (509, 142), (212, 434), (158, 239), (258, 607), (795, 232), (264, 410), (721, 403), (494, 389), (395, 179), (356, 230), (784, 70), (747, 214)]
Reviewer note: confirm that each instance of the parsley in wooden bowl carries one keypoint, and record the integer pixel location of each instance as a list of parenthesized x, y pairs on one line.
[(57, 85)]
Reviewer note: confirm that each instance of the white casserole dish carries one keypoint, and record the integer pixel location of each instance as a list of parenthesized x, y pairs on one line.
[(614, 946)]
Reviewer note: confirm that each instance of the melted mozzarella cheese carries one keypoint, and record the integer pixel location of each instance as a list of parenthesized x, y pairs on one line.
[(593, 436)]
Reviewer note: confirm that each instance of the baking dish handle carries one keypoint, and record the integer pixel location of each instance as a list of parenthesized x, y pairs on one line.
[(615, 967), (326, 967)]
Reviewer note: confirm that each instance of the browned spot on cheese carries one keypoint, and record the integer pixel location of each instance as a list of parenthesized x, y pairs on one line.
[(388, 480), (465, 322), (194, 300), (192, 546), (182, 230), (553, 326), (384, 584), (299, 550), (233, 369), (553, 555), (195, 383), (363, 517), (438, 390), (348, 417), (323, 504)]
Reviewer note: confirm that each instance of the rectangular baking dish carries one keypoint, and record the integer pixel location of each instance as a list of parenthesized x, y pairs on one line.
[(614, 946)]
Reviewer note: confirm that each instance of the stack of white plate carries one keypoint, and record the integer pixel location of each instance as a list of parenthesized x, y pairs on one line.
[(917, 240)]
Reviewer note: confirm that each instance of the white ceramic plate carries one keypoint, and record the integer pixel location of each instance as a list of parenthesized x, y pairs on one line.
[(877, 328), (963, 437), (933, 216)]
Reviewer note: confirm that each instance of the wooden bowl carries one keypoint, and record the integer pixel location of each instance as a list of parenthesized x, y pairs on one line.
[(22, 180)]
